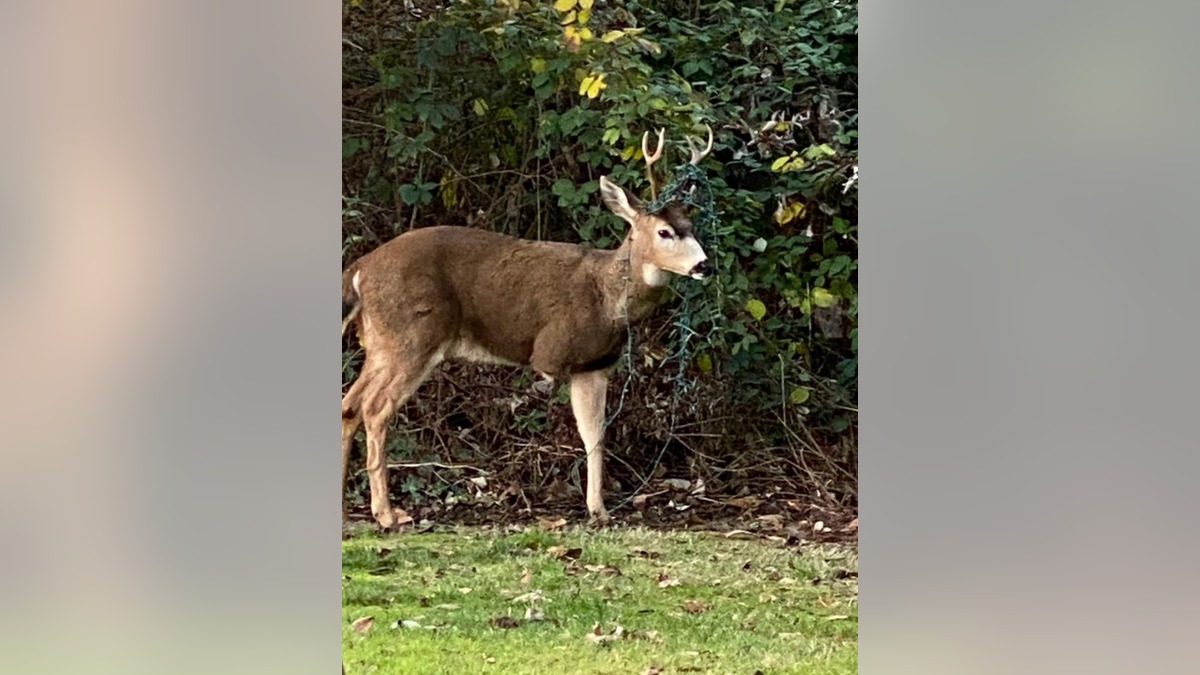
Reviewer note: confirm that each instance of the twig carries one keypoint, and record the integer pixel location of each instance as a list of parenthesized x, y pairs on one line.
[(417, 465)]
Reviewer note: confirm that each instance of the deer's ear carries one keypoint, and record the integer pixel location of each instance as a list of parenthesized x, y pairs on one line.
[(619, 200)]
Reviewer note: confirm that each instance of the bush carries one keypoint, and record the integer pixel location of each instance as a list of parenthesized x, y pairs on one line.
[(504, 114)]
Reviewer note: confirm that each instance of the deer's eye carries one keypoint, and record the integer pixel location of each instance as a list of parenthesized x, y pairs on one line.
[(666, 234)]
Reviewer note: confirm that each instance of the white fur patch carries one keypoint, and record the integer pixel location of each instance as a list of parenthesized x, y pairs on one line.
[(355, 283), (653, 276), (694, 255), (472, 352)]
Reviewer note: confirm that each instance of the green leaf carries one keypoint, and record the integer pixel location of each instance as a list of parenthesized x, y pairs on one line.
[(564, 5), (756, 308), (823, 298), (778, 164), (704, 362), (799, 395)]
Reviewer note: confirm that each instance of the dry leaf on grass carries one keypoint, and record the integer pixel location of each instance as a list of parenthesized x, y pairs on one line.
[(505, 622), (696, 606), (526, 578), (534, 614), (639, 553), (549, 524), (562, 552), (597, 636), (531, 597), (665, 581), (363, 625)]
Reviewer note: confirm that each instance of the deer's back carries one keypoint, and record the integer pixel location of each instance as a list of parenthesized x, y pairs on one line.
[(483, 295)]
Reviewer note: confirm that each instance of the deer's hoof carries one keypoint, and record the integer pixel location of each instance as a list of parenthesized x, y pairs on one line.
[(392, 519), (599, 519)]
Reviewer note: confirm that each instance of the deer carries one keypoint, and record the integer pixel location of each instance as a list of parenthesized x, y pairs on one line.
[(454, 293)]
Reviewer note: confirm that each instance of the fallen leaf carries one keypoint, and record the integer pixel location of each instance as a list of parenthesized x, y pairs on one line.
[(773, 521), (548, 524), (836, 617), (665, 581), (448, 607), (490, 659), (363, 625), (534, 614), (819, 526), (526, 578), (696, 606), (532, 596), (678, 483), (639, 553), (464, 591), (562, 552), (384, 552), (853, 525), (639, 502), (748, 502), (596, 636), (505, 622)]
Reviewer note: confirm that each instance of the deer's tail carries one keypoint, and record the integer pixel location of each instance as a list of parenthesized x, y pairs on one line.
[(351, 295)]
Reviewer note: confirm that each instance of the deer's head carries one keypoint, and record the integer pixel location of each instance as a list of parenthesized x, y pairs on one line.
[(664, 241)]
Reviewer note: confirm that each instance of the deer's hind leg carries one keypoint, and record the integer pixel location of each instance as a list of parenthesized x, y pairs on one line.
[(351, 422), (394, 380)]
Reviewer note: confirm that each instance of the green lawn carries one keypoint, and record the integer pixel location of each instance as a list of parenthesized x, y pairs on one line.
[(684, 603)]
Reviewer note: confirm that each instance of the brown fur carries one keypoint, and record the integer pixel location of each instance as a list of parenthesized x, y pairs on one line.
[(465, 294)]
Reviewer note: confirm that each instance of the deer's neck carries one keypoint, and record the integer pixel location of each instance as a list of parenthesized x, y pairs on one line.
[(632, 286)]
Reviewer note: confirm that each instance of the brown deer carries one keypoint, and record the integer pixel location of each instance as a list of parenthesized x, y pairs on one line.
[(458, 293)]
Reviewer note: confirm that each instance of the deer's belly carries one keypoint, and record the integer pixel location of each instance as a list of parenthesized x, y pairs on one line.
[(464, 349)]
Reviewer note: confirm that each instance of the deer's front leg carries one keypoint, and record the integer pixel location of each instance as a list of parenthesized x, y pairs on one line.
[(587, 402)]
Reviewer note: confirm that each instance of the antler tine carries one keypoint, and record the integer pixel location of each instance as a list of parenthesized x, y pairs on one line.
[(652, 158), (697, 154)]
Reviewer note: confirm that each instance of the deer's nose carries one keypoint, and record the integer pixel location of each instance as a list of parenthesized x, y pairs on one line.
[(702, 269)]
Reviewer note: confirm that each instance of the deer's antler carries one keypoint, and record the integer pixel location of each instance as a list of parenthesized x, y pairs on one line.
[(652, 158), (697, 153)]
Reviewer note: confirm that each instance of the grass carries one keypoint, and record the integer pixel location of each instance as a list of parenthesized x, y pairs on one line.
[(687, 603)]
